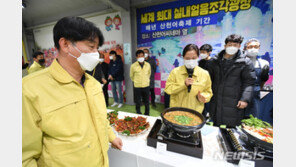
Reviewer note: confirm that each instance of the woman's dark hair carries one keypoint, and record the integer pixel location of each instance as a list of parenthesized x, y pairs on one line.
[(35, 54), (112, 52), (190, 47), (206, 47), (234, 38), (76, 29), (139, 52)]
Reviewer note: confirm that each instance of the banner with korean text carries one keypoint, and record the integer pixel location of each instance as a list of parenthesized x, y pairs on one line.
[(167, 28)]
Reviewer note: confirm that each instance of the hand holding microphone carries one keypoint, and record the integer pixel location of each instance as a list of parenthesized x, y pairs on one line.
[(189, 81)]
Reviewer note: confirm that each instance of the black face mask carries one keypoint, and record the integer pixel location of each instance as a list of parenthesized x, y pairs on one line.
[(41, 61)]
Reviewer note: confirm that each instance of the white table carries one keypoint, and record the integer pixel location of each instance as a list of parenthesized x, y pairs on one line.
[(136, 152)]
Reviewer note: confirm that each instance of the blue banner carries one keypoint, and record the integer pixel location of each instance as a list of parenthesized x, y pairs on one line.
[(183, 14), (167, 28)]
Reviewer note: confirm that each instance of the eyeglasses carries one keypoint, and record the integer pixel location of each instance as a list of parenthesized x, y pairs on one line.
[(253, 46)]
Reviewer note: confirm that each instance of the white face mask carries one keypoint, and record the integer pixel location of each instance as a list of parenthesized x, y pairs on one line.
[(190, 64), (87, 61), (231, 50), (111, 57), (146, 55), (252, 52), (141, 59), (101, 60), (203, 56)]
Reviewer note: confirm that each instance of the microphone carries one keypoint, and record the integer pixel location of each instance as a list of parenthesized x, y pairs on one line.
[(190, 73)]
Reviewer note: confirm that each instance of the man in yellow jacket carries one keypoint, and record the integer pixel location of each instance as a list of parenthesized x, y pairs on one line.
[(140, 74), (38, 63), (189, 86), (64, 112)]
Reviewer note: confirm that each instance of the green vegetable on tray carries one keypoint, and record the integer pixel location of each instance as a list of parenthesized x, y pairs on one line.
[(127, 132), (255, 122), (128, 118), (183, 119), (142, 127), (114, 112)]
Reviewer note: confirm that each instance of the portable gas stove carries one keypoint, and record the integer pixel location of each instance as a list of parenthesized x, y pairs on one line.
[(170, 135), (232, 143), (189, 145)]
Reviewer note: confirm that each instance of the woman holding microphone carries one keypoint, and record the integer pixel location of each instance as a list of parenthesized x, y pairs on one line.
[(189, 86)]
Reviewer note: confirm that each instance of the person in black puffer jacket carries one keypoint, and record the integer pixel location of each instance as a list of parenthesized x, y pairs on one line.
[(116, 78), (233, 77), (205, 56)]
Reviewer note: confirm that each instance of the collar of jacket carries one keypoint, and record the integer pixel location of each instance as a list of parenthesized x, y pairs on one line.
[(238, 57), (184, 70), (118, 59), (138, 63), (37, 64), (60, 74)]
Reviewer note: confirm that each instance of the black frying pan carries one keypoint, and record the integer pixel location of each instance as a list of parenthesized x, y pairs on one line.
[(182, 129)]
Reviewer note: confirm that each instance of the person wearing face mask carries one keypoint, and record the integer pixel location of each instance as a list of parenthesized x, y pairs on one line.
[(205, 52), (38, 63), (140, 75), (115, 76), (100, 73), (152, 63), (233, 78), (189, 85), (64, 120), (261, 66)]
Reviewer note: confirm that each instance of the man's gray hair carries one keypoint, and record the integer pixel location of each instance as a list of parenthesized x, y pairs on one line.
[(147, 49), (251, 40)]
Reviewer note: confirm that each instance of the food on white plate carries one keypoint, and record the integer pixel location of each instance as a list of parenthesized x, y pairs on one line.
[(131, 125)]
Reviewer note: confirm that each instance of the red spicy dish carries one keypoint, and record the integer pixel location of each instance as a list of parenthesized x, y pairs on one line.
[(131, 125)]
